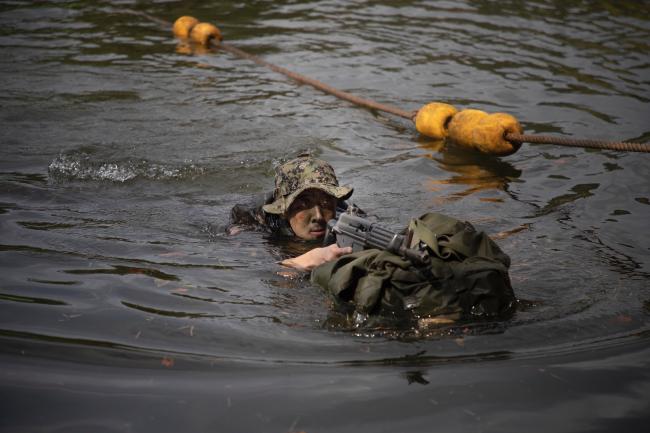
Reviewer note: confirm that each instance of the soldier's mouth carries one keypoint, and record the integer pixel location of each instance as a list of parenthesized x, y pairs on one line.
[(317, 232)]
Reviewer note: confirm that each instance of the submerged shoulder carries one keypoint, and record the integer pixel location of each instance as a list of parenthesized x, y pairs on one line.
[(251, 216)]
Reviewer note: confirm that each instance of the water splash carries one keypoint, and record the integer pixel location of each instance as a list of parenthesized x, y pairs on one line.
[(81, 166)]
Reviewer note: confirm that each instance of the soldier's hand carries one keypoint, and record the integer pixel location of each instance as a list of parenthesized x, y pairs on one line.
[(316, 257)]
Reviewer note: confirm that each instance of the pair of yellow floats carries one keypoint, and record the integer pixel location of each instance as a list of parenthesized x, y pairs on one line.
[(469, 128)]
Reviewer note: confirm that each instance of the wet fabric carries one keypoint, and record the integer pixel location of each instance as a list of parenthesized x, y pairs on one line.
[(467, 274), (251, 216)]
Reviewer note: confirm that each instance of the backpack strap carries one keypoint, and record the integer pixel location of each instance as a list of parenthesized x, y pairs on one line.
[(434, 230)]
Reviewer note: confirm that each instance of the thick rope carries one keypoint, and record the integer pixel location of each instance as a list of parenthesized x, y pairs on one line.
[(593, 144), (511, 137), (317, 84), (162, 23)]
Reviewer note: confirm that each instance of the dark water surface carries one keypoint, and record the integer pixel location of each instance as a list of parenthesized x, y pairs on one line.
[(123, 308)]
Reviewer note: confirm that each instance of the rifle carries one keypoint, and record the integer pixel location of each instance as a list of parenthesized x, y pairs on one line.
[(360, 234)]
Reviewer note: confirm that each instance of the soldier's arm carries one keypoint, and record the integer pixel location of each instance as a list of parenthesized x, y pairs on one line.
[(316, 257)]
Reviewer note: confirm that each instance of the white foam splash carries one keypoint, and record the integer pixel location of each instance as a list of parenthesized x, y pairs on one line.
[(80, 166)]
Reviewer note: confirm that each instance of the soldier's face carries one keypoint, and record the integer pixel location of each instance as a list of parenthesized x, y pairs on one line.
[(309, 213)]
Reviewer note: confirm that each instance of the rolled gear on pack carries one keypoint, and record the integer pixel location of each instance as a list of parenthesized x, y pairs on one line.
[(467, 274)]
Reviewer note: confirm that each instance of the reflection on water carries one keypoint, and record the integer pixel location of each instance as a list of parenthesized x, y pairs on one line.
[(577, 192), (122, 151), (475, 173)]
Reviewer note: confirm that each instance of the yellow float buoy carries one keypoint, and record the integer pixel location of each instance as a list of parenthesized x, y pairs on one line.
[(203, 33), (183, 25), (478, 130), (433, 119)]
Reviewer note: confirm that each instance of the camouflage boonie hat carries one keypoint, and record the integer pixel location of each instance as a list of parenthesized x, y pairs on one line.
[(300, 174)]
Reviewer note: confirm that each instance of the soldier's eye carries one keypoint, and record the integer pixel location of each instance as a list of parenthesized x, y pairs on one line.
[(310, 200), (299, 204), (328, 202)]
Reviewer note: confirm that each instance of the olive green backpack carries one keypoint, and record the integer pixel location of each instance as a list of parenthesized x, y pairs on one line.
[(467, 274)]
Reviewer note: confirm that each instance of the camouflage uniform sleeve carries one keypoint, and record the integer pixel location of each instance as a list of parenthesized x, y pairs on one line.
[(250, 216)]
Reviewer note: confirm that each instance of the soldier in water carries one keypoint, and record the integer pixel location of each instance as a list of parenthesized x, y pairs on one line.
[(465, 272), (307, 195)]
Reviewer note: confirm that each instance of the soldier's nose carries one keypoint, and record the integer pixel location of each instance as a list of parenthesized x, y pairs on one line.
[(317, 214)]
